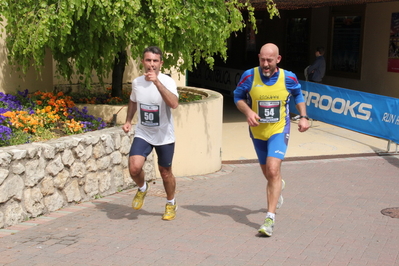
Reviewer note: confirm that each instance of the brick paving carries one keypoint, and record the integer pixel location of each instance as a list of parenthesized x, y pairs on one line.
[(331, 216)]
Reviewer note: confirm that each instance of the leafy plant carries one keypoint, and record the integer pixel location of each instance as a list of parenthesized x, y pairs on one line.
[(185, 97), (104, 97), (100, 97), (86, 35)]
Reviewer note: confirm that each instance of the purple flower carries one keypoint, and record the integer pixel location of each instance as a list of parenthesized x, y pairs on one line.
[(89, 122), (5, 134)]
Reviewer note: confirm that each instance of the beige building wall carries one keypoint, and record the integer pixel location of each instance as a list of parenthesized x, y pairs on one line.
[(12, 80), (375, 77)]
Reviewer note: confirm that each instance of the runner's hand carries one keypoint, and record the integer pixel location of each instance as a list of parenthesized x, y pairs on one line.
[(303, 125), (150, 75), (126, 127), (253, 119)]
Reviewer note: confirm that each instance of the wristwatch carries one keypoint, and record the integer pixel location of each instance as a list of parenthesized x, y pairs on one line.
[(304, 116)]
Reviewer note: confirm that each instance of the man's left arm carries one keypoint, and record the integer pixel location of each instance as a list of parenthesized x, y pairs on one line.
[(294, 88), (303, 123), (169, 97)]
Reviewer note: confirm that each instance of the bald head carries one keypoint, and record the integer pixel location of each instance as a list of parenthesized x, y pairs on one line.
[(269, 57), (270, 48)]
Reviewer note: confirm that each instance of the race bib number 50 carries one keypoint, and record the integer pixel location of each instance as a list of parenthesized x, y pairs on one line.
[(269, 111), (149, 115)]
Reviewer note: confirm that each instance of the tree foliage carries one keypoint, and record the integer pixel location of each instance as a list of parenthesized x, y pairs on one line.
[(86, 35)]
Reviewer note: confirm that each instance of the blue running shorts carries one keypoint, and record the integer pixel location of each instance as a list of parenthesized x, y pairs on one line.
[(275, 146), (164, 152)]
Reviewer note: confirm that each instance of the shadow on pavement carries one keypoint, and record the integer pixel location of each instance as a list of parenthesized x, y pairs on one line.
[(392, 160), (237, 213), (118, 211)]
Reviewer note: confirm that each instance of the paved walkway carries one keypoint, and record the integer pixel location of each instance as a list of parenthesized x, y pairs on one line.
[(332, 215)]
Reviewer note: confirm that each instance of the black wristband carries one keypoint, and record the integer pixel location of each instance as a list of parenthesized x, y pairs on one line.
[(304, 116)]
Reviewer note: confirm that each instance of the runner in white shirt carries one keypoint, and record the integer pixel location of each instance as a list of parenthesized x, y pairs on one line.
[(153, 95)]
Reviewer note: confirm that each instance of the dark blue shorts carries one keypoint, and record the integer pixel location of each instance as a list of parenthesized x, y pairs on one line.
[(164, 152), (275, 146)]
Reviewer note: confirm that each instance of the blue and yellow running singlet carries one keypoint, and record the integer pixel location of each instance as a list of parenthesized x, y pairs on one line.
[(270, 102)]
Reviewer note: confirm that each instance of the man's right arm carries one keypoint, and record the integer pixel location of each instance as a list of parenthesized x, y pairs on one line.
[(240, 98), (252, 117), (131, 110)]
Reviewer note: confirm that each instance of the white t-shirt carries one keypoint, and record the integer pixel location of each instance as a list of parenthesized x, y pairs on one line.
[(155, 120)]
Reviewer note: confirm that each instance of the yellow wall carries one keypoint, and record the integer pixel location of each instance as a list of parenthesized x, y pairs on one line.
[(12, 80), (198, 130), (374, 75)]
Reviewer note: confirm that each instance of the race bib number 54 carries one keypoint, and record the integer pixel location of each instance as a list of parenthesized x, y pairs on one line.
[(269, 111), (149, 115)]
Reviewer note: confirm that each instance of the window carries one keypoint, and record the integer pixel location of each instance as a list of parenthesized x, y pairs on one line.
[(297, 42), (345, 53)]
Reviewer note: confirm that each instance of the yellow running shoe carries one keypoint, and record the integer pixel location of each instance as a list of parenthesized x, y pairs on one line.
[(170, 212), (138, 200)]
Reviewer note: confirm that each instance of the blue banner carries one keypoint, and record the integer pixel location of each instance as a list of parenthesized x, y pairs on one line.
[(367, 113)]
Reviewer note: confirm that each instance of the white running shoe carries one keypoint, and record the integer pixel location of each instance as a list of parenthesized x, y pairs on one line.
[(281, 199), (267, 227)]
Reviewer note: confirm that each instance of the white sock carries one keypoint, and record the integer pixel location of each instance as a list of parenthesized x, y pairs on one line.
[(143, 188), (271, 215), (171, 201)]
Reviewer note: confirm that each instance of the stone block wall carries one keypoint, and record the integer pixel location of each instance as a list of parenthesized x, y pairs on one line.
[(42, 177)]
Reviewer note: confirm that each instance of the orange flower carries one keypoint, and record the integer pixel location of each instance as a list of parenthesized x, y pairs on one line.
[(51, 102), (8, 114)]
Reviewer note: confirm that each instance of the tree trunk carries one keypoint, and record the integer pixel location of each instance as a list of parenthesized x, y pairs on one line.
[(117, 74)]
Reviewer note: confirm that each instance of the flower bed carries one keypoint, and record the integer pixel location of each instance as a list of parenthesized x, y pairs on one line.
[(26, 118), (99, 96)]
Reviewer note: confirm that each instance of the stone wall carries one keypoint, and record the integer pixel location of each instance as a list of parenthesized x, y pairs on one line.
[(42, 177)]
